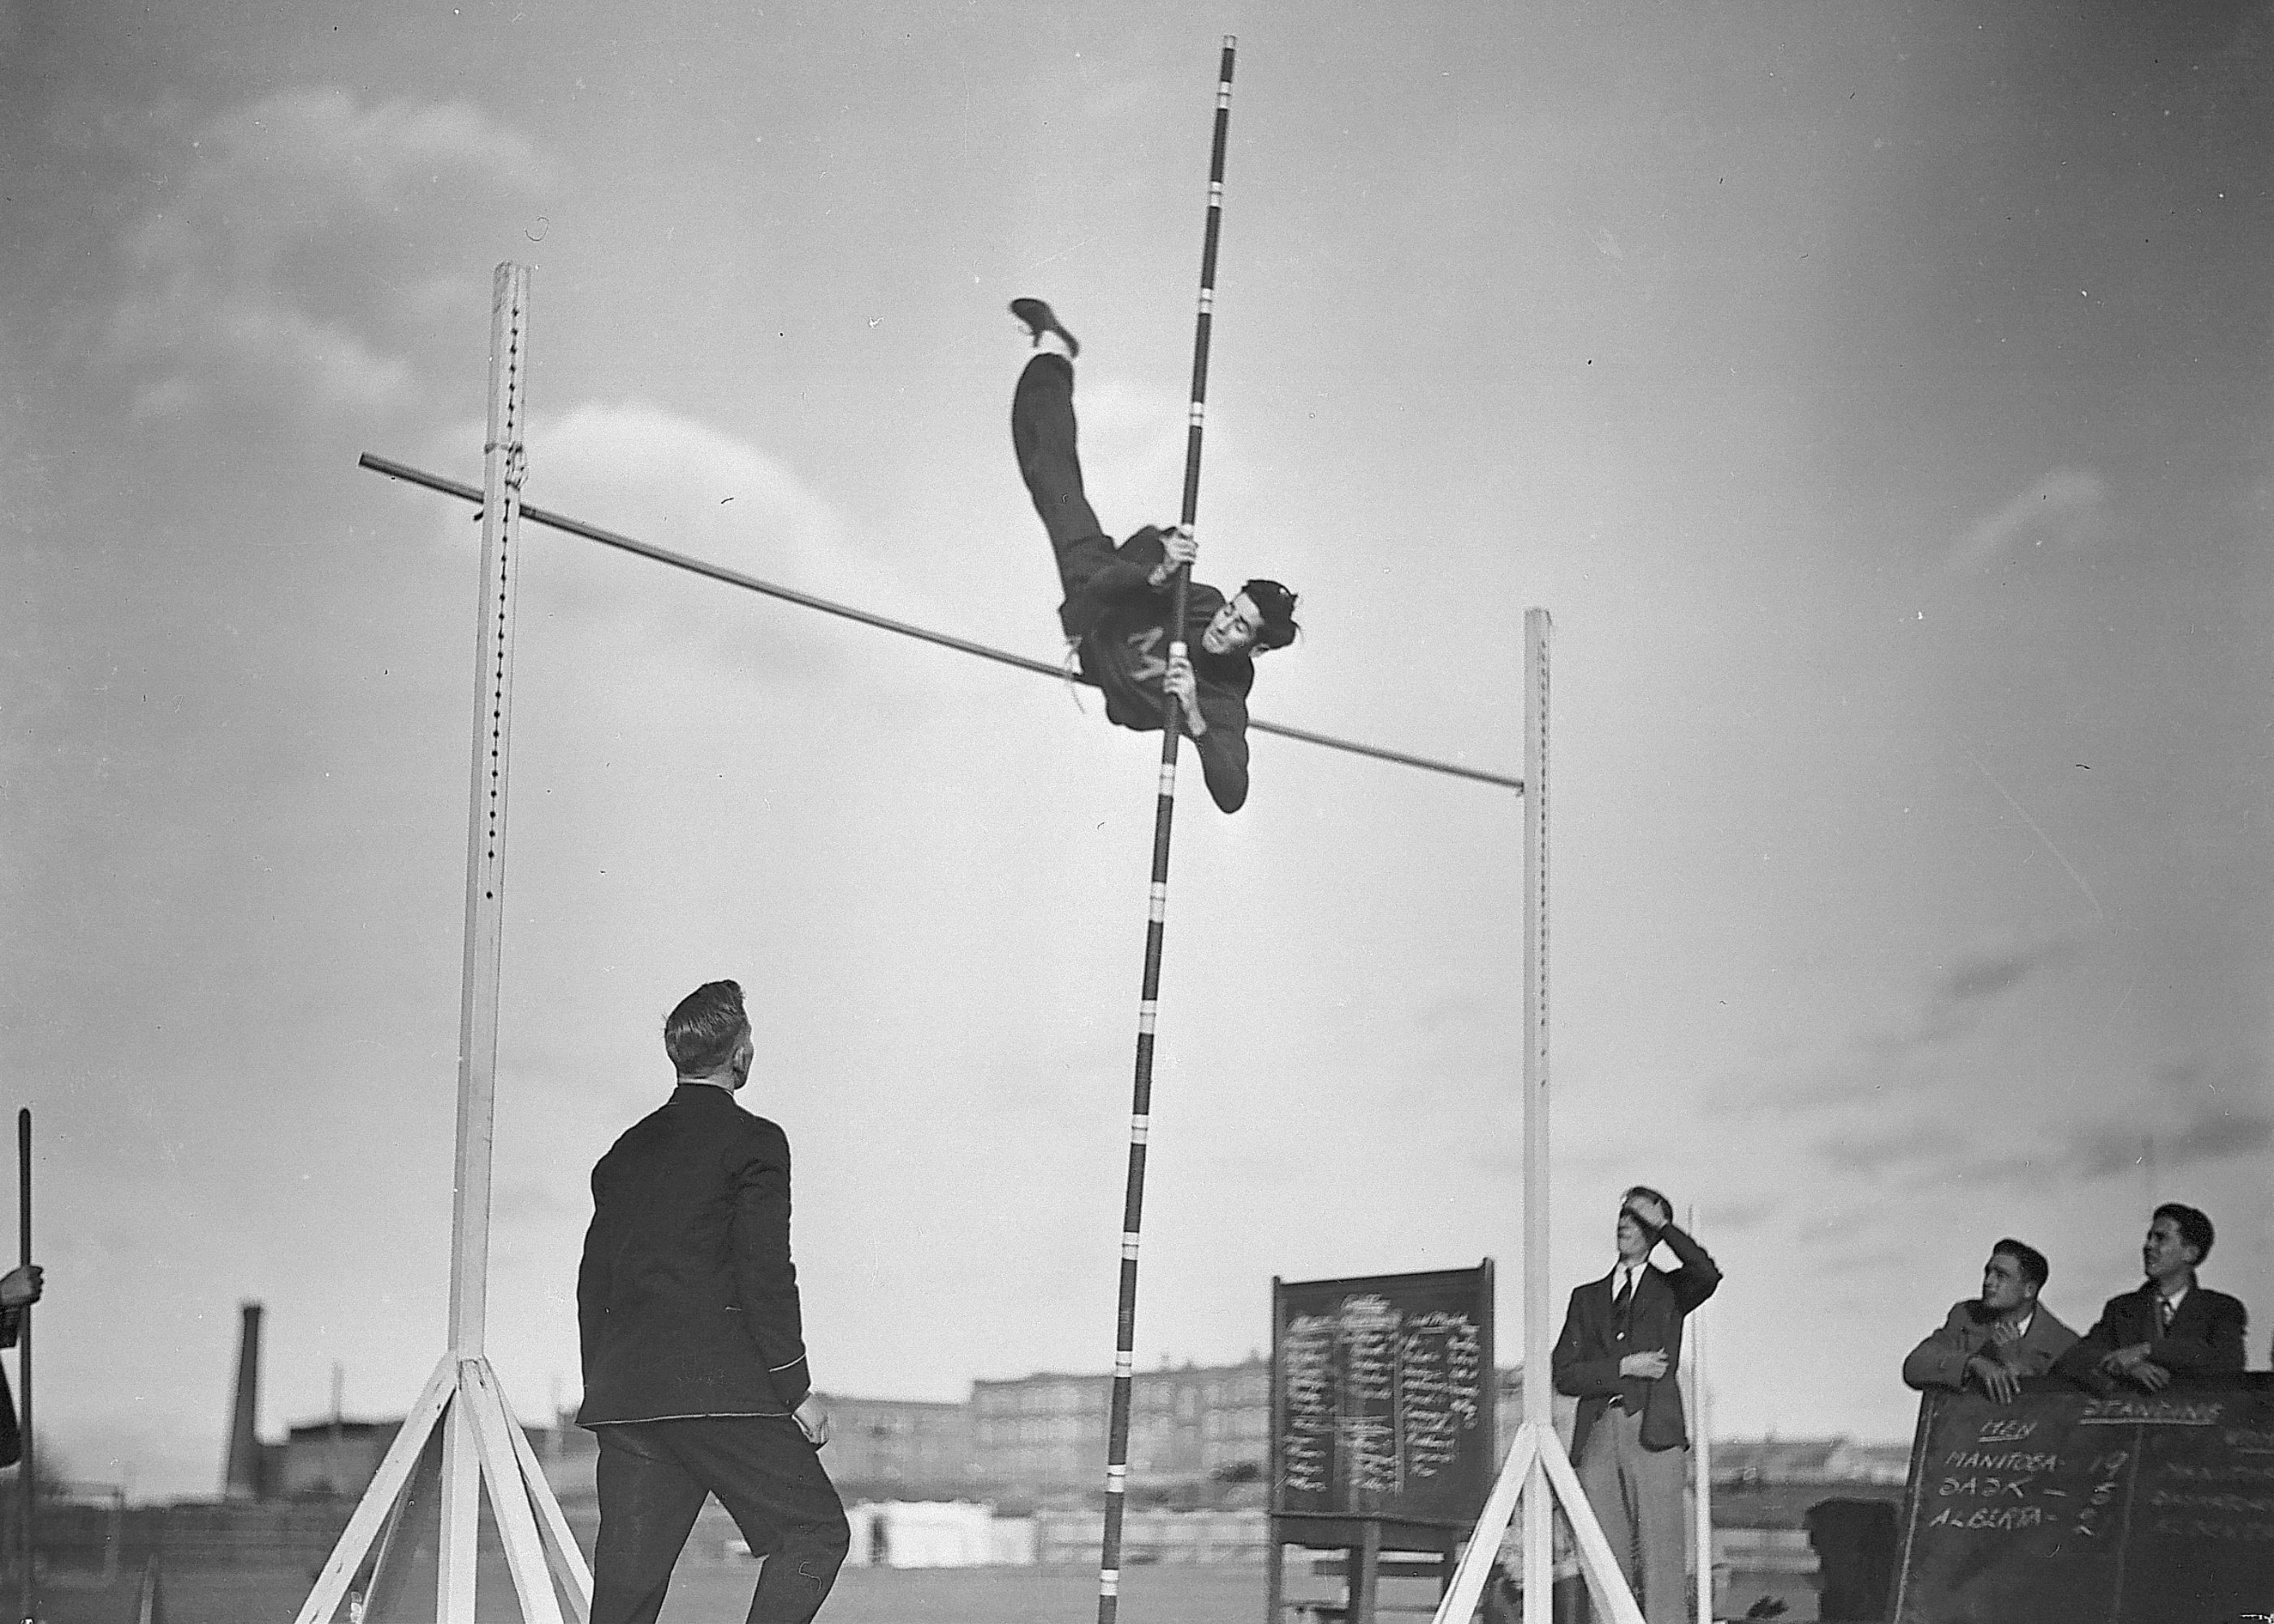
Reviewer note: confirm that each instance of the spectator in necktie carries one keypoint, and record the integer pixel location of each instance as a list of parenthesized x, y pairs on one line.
[(2170, 1325), (1621, 1347)]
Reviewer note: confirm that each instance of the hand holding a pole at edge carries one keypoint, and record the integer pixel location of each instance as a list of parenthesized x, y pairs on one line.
[(21, 1286)]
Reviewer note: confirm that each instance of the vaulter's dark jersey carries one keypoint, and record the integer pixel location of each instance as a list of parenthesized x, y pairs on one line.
[(1121, 621)]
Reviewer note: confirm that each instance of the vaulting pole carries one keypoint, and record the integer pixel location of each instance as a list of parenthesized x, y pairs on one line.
[(1164, 812)]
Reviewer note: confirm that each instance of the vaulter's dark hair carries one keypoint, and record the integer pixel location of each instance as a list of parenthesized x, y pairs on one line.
[(1276, 604), (2195, 1226), (701, 1033), (2035, 1269)]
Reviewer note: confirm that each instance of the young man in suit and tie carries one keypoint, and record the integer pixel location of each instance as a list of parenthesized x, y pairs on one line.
[(2169, 1326), (695, 1374), (1998, 1338), (1618, 1356)]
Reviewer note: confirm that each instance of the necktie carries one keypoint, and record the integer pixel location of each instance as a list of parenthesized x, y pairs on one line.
[(2163, 1314), (1625, 1299)]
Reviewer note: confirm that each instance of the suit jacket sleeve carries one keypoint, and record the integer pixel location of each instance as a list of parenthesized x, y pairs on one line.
[(2081, 1363), (1940, 1360), (1698, 1278), (765, 1279), (2217, 1346), (2038, 1352), (1577, 1376), (592, 1276)]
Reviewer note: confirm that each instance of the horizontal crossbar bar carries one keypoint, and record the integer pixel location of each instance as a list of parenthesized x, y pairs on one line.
[(679, 560)]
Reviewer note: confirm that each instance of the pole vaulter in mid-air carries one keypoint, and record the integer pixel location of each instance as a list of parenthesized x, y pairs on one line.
[(1119, 601)]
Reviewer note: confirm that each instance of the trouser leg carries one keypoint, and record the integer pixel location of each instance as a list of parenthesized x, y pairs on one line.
[(1656, 1476), (1042, 434), (1606, 1489), (772, 1482), (648, 1503)]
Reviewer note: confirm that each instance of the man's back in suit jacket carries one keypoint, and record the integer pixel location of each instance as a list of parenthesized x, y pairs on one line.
[(687, 1302)]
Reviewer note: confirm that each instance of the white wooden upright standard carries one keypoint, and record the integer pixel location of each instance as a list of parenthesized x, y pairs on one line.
[(482, 1443), (1536, 1467)]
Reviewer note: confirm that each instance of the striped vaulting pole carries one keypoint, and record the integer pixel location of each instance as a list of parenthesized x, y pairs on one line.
[(1164, 812)]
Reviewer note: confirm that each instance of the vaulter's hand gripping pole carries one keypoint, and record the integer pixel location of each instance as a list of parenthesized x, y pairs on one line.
[(1117, 1457)]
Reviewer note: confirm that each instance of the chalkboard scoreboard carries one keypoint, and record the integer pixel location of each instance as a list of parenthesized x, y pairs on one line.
[(1381, 1396), (2064, 1509)]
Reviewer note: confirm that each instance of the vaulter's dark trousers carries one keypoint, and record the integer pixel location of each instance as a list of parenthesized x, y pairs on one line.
[(654, 1477), (1043, 433)]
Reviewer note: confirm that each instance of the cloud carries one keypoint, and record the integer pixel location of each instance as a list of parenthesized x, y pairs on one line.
[(690, 488), (268, 269), (2199, 1109), (2065, 512), (1895, 1057)]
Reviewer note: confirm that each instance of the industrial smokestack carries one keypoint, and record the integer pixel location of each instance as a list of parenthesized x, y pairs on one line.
[(240, 1478)]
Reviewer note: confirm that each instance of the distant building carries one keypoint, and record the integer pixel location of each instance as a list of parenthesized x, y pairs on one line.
[(1040, 1436), (1744, 1462), (900, 1449), (326, 1459)]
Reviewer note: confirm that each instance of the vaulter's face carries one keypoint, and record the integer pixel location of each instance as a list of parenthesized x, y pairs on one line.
[(1233, 628)]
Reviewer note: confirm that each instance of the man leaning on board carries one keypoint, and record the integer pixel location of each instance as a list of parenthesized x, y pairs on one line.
[(2169, 1324), (1994, 1340)]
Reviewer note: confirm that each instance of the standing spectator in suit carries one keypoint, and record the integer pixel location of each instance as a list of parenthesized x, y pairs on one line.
[(1618, 1354), (2170, 1325), (1998, 1338), (19, 1288), (695, 1372)]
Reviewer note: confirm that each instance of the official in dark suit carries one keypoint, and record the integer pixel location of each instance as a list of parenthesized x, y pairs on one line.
[(694, 1372), (1618, 1356), (2170, 1325), (1998, 1338)]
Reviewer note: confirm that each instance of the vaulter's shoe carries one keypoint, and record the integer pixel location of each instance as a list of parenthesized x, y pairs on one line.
[(1038, 319)]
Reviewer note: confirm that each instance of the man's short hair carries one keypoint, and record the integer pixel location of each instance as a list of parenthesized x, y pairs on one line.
[(2031, 1262), (1277, 606), (701, 1033), (1644, 1190), (2195, 1226)]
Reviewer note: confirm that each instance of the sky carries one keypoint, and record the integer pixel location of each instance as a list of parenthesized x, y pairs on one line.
[(1877, 396)]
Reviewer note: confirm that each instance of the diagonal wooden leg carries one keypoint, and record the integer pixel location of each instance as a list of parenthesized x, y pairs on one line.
[(1459, 1602), (378, 1498), (500, 1467), (560, 1547)]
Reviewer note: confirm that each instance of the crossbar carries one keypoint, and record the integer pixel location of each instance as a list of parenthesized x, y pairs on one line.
[(719, 572)]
